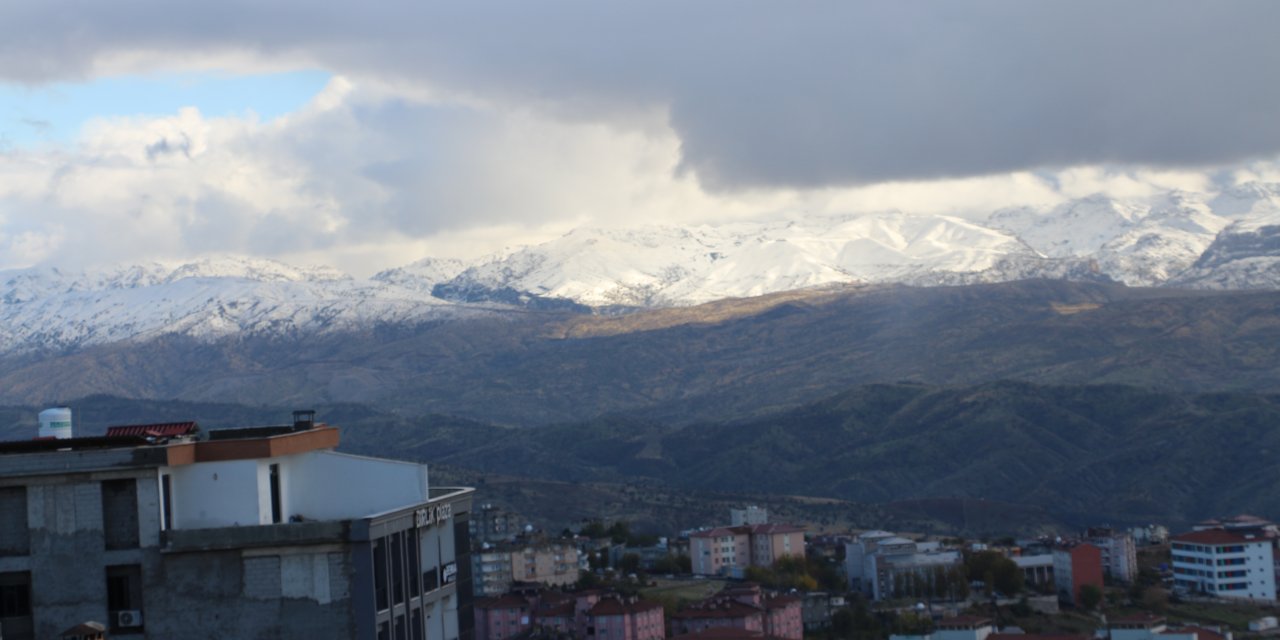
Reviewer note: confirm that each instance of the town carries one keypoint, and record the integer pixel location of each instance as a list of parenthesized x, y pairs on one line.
[(165, 529)]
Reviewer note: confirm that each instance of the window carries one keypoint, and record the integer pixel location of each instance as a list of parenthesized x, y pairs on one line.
[(15, 605), (166, 501), (380, 574), (15, 537), (276, 514), (120, 513), (397, 569), (124, 593)]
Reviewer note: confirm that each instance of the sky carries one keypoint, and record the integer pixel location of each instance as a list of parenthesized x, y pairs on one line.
[(367, 136)]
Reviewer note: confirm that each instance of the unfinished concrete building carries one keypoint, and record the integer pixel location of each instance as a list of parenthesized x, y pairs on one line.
[(265, 532)]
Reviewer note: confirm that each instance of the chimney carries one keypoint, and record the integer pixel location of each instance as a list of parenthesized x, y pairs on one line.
[(304, 419)]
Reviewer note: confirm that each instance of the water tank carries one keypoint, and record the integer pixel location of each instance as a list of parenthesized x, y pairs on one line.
[(55, 423)]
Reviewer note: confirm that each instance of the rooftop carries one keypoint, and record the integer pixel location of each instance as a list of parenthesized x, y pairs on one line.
[(1214, 536)]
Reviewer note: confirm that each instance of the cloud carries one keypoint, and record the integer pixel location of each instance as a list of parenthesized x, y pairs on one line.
[(457, 130), (762, 95)]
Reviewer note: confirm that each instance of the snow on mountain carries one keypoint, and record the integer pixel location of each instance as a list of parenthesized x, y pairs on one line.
[(55, 309), (673, 266), (422, 275), (1247, 199), (1229, 239)]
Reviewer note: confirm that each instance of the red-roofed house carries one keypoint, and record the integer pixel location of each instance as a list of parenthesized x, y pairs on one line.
[(502, 617), (744, 608), (1227, 564), (618, 618)]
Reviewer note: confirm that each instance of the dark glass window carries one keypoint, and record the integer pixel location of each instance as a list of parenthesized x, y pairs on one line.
[(380, 574), (166, 500), (397, 568), (414, 567), (15, 605), (276, 515)]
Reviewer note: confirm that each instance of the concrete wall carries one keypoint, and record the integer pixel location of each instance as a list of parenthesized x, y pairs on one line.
[(325, 485), (216, 494), (297, 593), (68, 555)]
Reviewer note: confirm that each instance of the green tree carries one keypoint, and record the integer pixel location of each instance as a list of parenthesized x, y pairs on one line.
[(997, 571), (1090, 597), (842, 623), (629, 563)]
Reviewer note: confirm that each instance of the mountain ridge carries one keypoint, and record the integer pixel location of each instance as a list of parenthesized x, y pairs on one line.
[(1175, 239)]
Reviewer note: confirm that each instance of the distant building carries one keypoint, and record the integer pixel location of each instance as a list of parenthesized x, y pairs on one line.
[(588, 615), (955, 628), (1223, 563), (1150, 534), (878, 563), (549, 562), (1037, 570), (1076, 566), (162, 531), (1119, 553), (493, 524), (816, 608), (728, 551), (748, 516), (745, 608), (1146, 626)]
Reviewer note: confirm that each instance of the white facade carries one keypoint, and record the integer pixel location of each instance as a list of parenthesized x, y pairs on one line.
[(315, 485), (1224, 564)]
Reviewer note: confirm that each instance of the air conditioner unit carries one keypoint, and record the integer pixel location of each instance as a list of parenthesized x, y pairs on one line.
[(129, 618)]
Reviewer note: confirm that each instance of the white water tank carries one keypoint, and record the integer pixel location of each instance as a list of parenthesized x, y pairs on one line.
[(55, 423)]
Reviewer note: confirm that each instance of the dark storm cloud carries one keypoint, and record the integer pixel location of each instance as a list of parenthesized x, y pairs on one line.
[(804, 94)]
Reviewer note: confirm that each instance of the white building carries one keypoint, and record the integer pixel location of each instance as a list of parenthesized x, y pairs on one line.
[(878, 562), (1119, 553), (1225, 564)]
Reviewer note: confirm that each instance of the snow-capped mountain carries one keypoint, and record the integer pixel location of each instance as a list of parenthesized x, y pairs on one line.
[(1229, 239), (56, 309), (663, 266)]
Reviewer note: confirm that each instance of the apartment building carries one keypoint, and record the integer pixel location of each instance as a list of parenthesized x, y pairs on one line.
[(548, 562), (728, 550), (1223, 563), (1075, 566), (156, 530)]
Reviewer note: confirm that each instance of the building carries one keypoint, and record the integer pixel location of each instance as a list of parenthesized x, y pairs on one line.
[(589, 614), (1076, 566), (748, 516), (1037, 570), (254, 532), (549, 562), (493, 524), (626, 618), (1146, 626), (728, 550), (743, 608), (1119, 553), (880, 564), (1223, 563)]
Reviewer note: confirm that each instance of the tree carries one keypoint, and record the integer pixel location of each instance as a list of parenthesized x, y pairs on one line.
[(1090, 597), (629, 563), (999, 572), (842, 623)]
